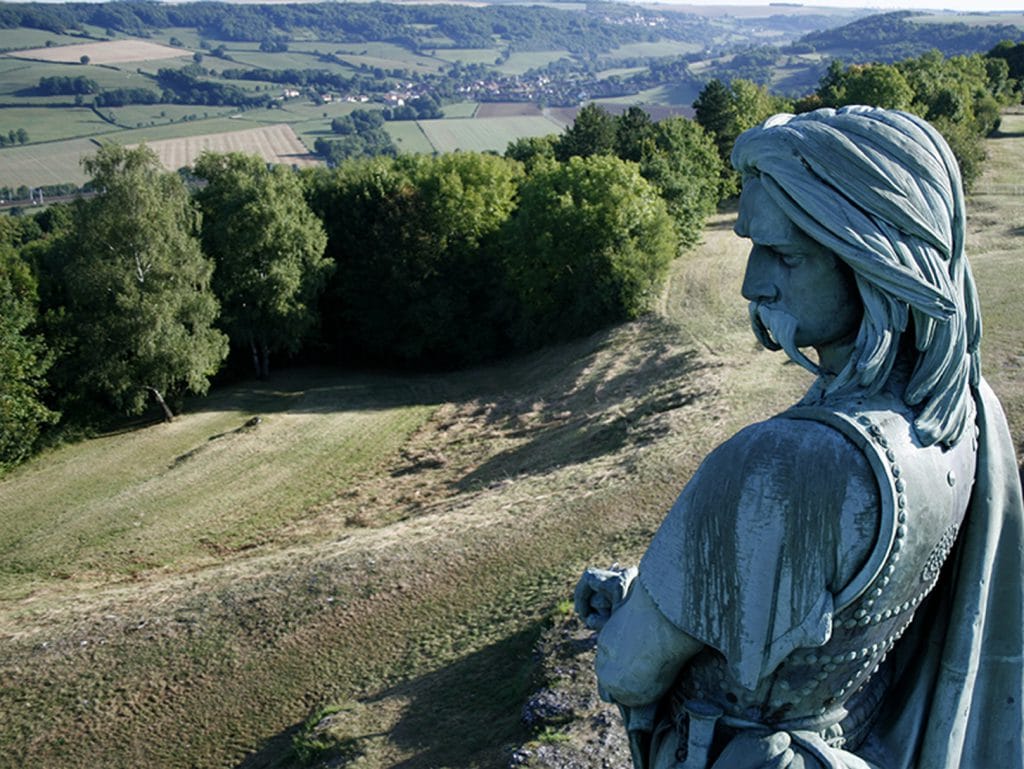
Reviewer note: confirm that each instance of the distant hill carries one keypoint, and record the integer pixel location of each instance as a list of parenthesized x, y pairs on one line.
[(891, 37)]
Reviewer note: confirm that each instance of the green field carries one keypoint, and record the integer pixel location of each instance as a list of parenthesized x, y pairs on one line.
[(158, 114), (409, 137), (47, 124), (38, 164), (483, 134), (386, 56), (287, 60), (467, 55), (522, 61), (131, 504), (680, 96), (22, 38), (656, 49), (464, 109), (18, 75), (189, 37)]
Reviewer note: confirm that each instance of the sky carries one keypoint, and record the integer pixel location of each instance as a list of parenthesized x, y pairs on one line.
[(888, 5)]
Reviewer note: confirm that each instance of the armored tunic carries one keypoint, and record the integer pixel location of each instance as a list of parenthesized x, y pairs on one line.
[(753, 566)]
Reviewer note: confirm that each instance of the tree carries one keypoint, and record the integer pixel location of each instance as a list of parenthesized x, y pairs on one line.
[(680, 159), (419, 274), (589, 245), (24, 362), (634, 132), (84, 59), (591, 133), (715, 113), (727, 111), (129, 289), (268, 247), (529, 149), (878, 85)]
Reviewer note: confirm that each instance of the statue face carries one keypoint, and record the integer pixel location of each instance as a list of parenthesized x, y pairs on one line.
[(793, 277)]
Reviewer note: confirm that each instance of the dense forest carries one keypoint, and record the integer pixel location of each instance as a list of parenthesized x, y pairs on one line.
[(456, 26)]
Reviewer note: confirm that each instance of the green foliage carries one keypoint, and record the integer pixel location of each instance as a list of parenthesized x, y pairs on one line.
[(680, 159), (529, 149), (726, 111), (128, 289), (1013, 54), (268, 248), (362, 135), (891, 37), (879, 85), (589, 245), (63, 85), (24, 362), (593, 132), (417, 277), (960, 95)]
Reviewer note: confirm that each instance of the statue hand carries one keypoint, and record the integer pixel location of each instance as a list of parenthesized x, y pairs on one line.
[(600, 592), (756, 751)]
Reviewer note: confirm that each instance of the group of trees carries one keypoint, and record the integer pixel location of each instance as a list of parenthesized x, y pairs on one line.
[(63, 85), (960, 95), (14, 136), (136, 294), (361, 134)]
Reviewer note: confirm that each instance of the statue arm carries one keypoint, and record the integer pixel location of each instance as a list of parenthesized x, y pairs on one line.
[(640, 653)]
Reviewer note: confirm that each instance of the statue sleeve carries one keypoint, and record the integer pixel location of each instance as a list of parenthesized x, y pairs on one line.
[(746, 557)]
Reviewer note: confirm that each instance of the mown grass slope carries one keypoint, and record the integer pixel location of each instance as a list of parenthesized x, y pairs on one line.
[(188, 594)]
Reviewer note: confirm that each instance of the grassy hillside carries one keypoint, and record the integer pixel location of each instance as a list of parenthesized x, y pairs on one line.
[(188, 594)]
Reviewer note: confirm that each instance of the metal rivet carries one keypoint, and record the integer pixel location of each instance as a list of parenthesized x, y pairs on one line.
[(951, 478), (901, 501), (900, 485), (896, 471)]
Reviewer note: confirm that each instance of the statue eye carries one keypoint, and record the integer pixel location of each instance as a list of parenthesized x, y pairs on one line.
[(790, 259)]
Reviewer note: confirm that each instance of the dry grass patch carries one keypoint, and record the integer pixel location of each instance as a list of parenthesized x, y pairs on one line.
[(111, 52), (274, 143)]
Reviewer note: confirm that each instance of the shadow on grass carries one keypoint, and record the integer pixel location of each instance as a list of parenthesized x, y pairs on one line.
[(467, 713), (601, 416), (323, 390)]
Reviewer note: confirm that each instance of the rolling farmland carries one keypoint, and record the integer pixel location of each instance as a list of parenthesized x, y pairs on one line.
[(482, 134)]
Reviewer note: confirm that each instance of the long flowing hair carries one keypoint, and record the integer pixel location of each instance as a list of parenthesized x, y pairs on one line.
[(882, 190)]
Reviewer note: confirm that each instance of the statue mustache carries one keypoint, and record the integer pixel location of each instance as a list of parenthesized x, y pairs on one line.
[(776, 330)]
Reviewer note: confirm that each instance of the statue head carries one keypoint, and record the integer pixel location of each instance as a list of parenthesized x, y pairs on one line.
[(880, 191)]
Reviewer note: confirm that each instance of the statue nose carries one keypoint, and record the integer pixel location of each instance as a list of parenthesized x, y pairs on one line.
[(758, 285)]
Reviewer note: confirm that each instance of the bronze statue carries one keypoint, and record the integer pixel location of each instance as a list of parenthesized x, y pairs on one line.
[(839, 586)]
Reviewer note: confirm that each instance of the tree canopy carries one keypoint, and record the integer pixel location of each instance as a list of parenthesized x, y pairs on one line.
[(589, 245), (24, 361), (417, 277), (268, 248), (130, 289)]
